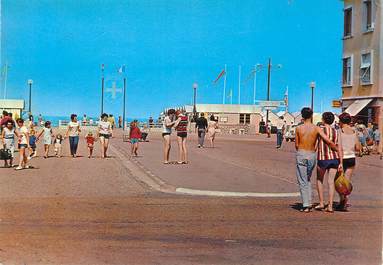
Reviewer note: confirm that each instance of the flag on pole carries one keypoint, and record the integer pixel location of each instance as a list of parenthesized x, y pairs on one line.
[(219, 76), (286, 99), (121, 69)]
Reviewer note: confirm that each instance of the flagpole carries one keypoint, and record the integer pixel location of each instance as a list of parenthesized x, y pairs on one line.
[(255, 83), (123, 108), (224, 86), (239, 84), (5, 79), (102, 89)]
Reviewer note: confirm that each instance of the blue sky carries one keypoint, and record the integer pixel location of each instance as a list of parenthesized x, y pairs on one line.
[(167, 45)]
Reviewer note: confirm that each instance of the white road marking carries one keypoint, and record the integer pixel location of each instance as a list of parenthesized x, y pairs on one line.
[(236, 194)]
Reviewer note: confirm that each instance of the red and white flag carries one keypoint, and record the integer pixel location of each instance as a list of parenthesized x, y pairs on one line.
[(219, 76)]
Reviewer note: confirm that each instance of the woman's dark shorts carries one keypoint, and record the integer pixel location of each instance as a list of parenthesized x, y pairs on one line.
[(182, 134), (348, 163), (327, 164)]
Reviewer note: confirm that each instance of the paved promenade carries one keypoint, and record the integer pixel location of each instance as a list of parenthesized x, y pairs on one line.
[(92, 211)]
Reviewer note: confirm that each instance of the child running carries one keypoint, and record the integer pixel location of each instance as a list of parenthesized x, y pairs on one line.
[(90, 143), (32, 143), (8, 138), (47, 134), (58, 144), (134, 136)]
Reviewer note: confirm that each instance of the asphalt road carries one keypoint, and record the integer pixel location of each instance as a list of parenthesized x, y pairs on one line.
[(93, 211)]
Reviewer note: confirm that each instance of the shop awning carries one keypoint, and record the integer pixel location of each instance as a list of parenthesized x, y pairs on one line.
[(357, 106)]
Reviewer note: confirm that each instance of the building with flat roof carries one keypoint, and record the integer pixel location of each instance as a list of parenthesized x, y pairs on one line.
[(362, 77), (14, 106)]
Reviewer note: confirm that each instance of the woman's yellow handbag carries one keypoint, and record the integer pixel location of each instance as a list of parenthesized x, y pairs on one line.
[(342, 185)]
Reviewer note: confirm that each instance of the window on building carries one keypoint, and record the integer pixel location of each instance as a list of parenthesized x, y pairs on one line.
[(347, 71), (348, 22), (366, 68), (244, 118), (368, 15)]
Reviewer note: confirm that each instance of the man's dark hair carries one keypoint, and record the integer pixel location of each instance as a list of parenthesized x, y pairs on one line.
[(202, 114), (20, 120), (10, 114), (171, 111), (104, 115), (345, 118), (307, 113), (212, 118), (47, 123), (73, 116), (5, 113), (328, 117)]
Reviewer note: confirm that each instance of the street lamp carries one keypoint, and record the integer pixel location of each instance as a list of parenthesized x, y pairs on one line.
[(257, 68), (30, 82), (268, 85), (312, 85), (195, 86)]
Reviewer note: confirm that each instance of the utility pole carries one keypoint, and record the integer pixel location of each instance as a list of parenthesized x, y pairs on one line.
[(30, 82)]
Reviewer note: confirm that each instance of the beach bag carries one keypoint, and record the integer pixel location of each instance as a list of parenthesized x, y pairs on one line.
[(342, 185), (5, 154)]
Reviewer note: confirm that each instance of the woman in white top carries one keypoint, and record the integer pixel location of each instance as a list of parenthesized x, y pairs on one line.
[(104, 133), (212, 126), (8, 138), (73, 132), (23, 144), (167, 125), (351, 146)]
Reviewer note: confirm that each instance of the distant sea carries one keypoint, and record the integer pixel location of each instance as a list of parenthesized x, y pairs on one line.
[(55, 119)]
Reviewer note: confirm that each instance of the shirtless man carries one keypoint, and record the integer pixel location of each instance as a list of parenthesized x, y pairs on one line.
[(306, 145)]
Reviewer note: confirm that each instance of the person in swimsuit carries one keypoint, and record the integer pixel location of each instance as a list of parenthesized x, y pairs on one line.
[(181, 126), (134, 136), (212, 129), (351, 147), (306, 138), (167, 125)]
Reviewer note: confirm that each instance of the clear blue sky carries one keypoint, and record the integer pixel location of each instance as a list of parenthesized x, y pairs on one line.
[(167, 45)]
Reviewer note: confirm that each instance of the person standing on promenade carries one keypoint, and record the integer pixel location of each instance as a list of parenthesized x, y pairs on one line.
[(201, 126), (47, 134), (8, 138), (134, 136), (73, 132), (268, 128), (167, 125), (329, 162), (181, 126), (280, 131), (351, 146), (6, 118), (23, 145), (119, 122), (104, 133), (306, 145), (112, 122), (212, 129)]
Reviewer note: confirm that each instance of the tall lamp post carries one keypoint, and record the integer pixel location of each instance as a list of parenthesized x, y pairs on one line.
[(195, 86), (30, 82), (312, 85)]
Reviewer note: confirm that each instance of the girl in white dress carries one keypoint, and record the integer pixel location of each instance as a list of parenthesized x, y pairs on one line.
[(47, 134)]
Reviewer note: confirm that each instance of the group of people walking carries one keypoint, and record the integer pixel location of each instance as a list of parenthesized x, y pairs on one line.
[(333, 151), (15, 134), (178, 121)]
